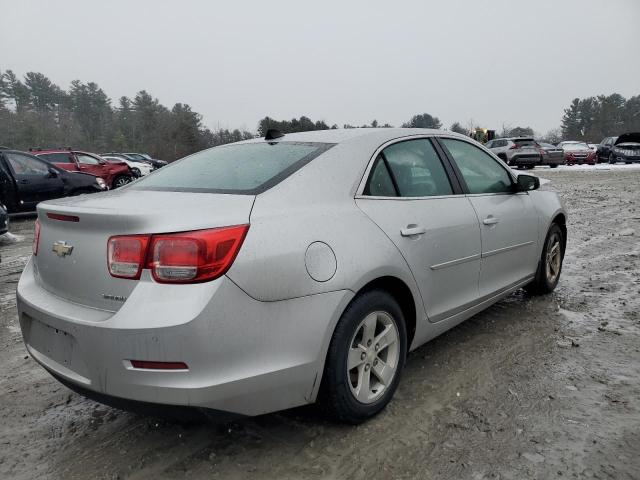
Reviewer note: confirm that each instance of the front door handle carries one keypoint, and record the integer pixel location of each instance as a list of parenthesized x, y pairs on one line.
[(23, 181), (411, 230), (491, 220)]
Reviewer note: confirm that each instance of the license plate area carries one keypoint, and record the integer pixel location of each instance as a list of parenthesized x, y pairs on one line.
[(56, 345)]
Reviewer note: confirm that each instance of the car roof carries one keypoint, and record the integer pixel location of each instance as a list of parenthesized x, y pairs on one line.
[(345, 135)]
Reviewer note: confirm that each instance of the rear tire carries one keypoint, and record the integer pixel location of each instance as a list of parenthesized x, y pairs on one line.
[(376, 358), (550, 263), (612, 159), (553, 166)]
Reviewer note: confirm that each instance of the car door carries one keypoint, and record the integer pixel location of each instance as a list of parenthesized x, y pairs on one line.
[(90, 164), (414, 197), (508, 220), (35, 180)]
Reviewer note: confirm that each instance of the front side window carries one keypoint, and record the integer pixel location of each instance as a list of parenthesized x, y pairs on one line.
[(248, 168), (23, 165), (87, 159), (414, 168), (481, 172)]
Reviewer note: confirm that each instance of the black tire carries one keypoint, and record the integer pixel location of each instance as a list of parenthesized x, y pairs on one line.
[(541, 284), (136, 172), (121, 181), (336, 397), (553, 166), (612, 159)]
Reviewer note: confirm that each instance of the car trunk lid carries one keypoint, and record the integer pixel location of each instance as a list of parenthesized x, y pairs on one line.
[(72, 251)]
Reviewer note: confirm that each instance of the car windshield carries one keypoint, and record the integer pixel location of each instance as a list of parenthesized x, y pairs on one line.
[(248, 168), (135, 157), (575, 146)]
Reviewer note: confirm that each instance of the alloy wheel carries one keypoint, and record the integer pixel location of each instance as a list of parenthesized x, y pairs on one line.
[(374, 353), (554, 258)]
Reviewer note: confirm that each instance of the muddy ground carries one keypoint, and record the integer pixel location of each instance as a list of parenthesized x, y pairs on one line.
[(542, 387)]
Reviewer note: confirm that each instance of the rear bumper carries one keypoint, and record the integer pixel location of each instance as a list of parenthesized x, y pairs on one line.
[(626, 159), (524, 160), (244, 356)]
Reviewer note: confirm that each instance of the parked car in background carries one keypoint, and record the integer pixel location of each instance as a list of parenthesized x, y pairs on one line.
[(577, 153), (145, 156), (517, 151), (551, 155), (138, 169), (626, 149), (26, 180), (138, 157), (114, 175), (166, 288), (4, 219), (604, 149)]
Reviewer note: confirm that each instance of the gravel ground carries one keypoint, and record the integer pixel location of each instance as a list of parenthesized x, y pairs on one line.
[(543, 387)]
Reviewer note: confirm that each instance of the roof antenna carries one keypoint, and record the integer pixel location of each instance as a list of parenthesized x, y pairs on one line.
[(272, 134)]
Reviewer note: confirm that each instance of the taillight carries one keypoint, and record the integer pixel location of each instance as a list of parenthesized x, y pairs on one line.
[(187, 257), (194, 256), (126, 255), (36, 237)]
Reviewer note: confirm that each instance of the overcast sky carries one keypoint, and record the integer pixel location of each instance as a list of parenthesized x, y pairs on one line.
[(512, 62)]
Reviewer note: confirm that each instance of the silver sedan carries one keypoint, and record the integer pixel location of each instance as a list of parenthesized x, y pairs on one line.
[(275, 272)]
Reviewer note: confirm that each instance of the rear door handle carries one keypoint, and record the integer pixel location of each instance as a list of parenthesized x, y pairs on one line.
[(24, 181), (491, 220), (412, 230)]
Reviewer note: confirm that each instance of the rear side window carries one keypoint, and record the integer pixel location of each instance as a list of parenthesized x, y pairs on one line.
[(481, 172), (57, 157), (410, 168), (380, 183), (248, 168)]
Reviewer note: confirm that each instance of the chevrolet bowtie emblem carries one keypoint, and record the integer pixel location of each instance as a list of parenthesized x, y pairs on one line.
[(62, 249)]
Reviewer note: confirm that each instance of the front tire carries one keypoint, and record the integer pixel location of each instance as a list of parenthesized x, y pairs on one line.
[(612, 159), (121, 181), (550, 264), (365, 358)]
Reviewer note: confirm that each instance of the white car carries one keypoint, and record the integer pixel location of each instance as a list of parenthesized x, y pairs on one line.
[(139, 169)]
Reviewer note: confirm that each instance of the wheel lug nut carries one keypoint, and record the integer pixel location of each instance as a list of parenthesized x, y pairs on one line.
[(367, 367), (375, 362), (363, 356), (377, 347), (368, 343)]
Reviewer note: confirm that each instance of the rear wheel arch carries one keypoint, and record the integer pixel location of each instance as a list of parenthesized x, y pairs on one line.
[(561, 220), (402, 294)]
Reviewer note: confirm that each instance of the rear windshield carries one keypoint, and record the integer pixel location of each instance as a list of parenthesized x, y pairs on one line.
[(575, 146), (248, 168), (525, 142)]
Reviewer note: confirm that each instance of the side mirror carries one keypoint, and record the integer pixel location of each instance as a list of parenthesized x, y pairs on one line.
[(52, 173), (526, 183)]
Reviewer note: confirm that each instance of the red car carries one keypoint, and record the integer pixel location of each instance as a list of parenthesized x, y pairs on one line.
[(578, 152), (114, 174)]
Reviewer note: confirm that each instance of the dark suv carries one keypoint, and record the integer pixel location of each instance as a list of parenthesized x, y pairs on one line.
[(604, 149)]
